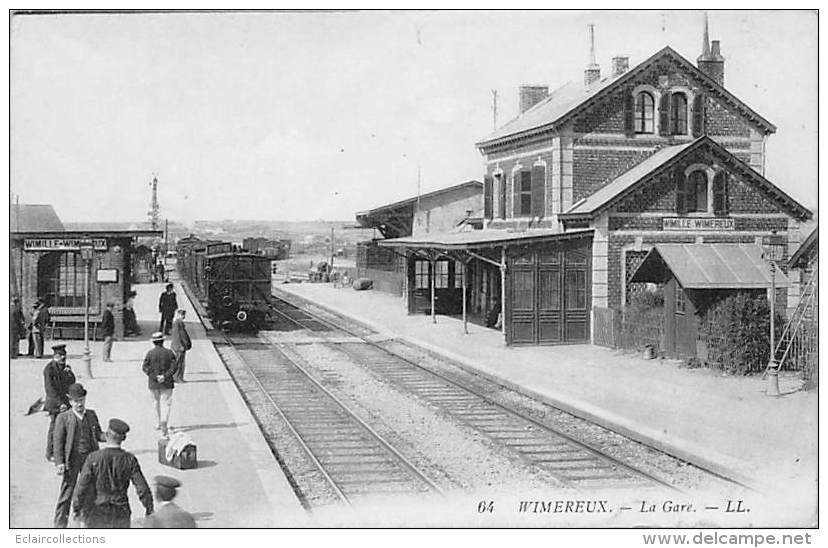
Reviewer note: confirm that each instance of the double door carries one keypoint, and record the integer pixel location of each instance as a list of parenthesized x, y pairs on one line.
[(549, 295)]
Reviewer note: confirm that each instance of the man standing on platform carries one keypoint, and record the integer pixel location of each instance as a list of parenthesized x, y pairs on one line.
[(77, 433), (40, 322), (159, 366), (179, 343), (100, 500), (17, 326), (168, 515), (108, 331), (167, 305), (57, 377)]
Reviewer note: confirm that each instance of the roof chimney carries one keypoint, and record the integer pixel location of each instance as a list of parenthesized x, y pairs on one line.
[(711, 61), (620, 65), (531, 96), (593, 71)]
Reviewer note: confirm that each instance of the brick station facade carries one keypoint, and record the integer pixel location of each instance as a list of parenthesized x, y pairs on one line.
[(659, 153)]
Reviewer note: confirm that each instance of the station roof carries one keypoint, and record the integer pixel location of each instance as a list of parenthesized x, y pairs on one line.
[(573, 98), (86, 233), (810, 244), (395, 219), (709, 266), (476, 239)]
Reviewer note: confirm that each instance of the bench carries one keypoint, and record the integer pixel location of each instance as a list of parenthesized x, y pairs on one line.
[(61, 323)]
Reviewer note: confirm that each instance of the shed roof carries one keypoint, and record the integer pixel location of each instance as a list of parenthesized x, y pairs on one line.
[(709, 266), (34, 218)]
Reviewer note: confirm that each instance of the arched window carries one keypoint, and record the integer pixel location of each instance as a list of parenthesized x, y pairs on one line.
[(644, 113), (697, 192), (678, 114)]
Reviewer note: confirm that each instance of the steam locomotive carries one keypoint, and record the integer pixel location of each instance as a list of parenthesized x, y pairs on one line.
[(233, 284)]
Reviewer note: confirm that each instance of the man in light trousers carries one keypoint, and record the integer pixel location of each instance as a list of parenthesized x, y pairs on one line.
[(159, 366)]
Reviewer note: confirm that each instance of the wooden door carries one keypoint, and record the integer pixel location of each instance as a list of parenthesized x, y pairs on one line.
[(576, 295), (523, 296), (550, 303)]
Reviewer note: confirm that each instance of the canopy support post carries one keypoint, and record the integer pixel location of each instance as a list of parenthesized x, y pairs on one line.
[(503, 293), (433, 264), (465, 285)]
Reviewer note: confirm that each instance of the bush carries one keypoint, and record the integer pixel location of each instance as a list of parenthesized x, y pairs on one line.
[(737, 333), (645, 300)]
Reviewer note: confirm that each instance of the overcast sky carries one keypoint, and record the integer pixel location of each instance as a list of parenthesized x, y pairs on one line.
[(295, 116)]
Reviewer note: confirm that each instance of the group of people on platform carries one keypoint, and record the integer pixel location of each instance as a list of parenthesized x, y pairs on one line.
[(95, 470)]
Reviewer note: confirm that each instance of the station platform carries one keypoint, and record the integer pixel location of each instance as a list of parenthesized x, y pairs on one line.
[(724, 423), (238, 482)]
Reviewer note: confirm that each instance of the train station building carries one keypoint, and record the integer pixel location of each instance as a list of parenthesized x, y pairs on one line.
[(458, 207), (591, 178), (49, 262)]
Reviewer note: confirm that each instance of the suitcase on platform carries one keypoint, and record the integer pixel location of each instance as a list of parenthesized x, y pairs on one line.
[(184, 459)]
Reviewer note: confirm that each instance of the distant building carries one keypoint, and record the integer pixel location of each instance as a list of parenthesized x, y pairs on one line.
[(46, 263), (446, 209), (275, 249)]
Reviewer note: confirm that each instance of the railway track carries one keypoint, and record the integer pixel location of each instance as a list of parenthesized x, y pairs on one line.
[(352, 460), (570, 460)]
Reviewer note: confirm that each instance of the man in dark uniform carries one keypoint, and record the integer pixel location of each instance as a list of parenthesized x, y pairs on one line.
[(108, 331), (159, 367), (168, 515), (57, 377), (100, 500), (77, 433), (167, 305), (16, 327), (39, 324)]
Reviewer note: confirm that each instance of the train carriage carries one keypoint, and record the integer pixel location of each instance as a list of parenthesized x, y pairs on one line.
[(234, 285)]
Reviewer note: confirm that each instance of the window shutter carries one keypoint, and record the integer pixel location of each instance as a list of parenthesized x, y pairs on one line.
[(538, 191), (487, 197), (681, 193), (629, 113), (664, 114), (699, 116), (516, 177), (720, 201)]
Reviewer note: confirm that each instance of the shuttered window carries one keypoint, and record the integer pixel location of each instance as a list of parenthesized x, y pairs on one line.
[(487, 196), (720, 194), (501, 186), (538, 191), (523, 193), (644, 113), (699, 116), (697, 192), (678, 114), (629, 113), (664, 114)]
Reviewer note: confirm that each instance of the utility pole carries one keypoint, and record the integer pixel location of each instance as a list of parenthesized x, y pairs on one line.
[(494, 109), (166, 233), (332, 248)]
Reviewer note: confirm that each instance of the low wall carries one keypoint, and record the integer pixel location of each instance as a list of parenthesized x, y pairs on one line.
[(388, 282)]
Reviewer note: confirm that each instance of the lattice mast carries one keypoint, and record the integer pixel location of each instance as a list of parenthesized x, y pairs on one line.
[(154, 212)]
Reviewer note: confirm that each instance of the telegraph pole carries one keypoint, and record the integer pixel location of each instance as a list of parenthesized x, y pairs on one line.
[(494, 109)]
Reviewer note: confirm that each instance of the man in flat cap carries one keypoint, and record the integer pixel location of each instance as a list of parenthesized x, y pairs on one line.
[(168, 515), (100, 500), (167, 305), (77, 433), (57, 377), (159, 366)]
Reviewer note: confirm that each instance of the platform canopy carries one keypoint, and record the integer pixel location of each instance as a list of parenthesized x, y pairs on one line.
[(709, 266), (477, 239)]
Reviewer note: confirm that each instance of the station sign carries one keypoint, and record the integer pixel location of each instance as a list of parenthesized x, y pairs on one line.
[(62, 244), (698, 223)]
